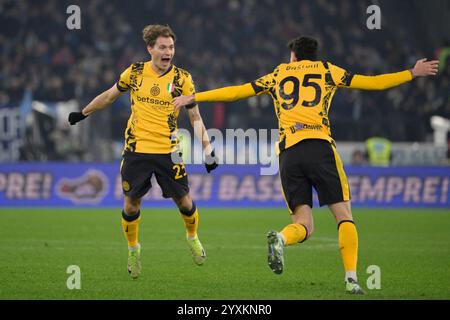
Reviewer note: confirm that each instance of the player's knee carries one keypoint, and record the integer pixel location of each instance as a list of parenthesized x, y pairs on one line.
[(188, 210), (184, 204), (131, 207)]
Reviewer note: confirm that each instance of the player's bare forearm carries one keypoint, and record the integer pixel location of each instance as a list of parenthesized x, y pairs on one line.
[(199, 129), (102, 101), (211, 160), (206, 144)]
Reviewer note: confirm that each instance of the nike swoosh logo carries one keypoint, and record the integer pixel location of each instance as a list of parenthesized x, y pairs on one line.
[(192, 222)]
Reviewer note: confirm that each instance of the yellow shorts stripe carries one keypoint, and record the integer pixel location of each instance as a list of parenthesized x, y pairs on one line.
[(342, 175)]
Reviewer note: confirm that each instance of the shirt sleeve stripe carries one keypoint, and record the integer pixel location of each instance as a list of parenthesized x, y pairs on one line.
[(190, 106), (256, 87), (348, 79), (121, 89)]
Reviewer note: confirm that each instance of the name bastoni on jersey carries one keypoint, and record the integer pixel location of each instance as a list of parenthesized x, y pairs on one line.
[(301, 67)]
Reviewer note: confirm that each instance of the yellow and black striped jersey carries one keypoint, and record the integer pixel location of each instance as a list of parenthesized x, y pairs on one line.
[(152, 126), (302, 92)]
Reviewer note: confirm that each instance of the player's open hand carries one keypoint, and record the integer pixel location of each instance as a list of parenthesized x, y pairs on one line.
[(75, 117), (182, 101), (424, 68)]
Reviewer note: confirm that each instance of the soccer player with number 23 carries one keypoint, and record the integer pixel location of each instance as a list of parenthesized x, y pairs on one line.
[(151, 141)]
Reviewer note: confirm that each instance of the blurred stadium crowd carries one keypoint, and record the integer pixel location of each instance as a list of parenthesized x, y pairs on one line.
[(223, 43)]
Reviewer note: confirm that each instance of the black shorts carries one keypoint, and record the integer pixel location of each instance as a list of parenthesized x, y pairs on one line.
[(312, 163), (137, 170)]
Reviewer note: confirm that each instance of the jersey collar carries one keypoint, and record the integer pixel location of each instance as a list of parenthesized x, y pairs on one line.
[(168, 70), (155, 74)]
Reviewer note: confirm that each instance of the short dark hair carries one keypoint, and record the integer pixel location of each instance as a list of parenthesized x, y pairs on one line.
[(304, 48), (153, 31)]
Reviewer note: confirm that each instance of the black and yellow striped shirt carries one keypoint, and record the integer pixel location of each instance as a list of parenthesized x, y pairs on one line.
[(152, 126)]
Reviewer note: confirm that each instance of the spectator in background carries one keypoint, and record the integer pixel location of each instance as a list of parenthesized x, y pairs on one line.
[(379, 151), (444, 55), (359, 158)]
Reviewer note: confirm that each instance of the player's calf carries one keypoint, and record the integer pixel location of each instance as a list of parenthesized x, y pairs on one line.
[(295, 233), (131, 218), (189, 214)]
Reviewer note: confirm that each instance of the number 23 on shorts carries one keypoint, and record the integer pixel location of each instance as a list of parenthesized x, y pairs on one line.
[(180, 171)]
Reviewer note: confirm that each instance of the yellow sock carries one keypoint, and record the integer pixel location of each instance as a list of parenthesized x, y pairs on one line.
[(191, 222), (294, 233), (348, 244), (130, 227)]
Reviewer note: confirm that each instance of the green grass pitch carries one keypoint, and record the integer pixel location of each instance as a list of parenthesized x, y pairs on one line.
[(411, 247)]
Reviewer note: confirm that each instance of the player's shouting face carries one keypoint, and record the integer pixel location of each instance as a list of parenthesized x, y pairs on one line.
[(162, 53)]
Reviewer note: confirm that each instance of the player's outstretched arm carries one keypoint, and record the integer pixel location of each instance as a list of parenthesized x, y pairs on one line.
[(423, 68), (226, 94), (101, 101), (211, 161)]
